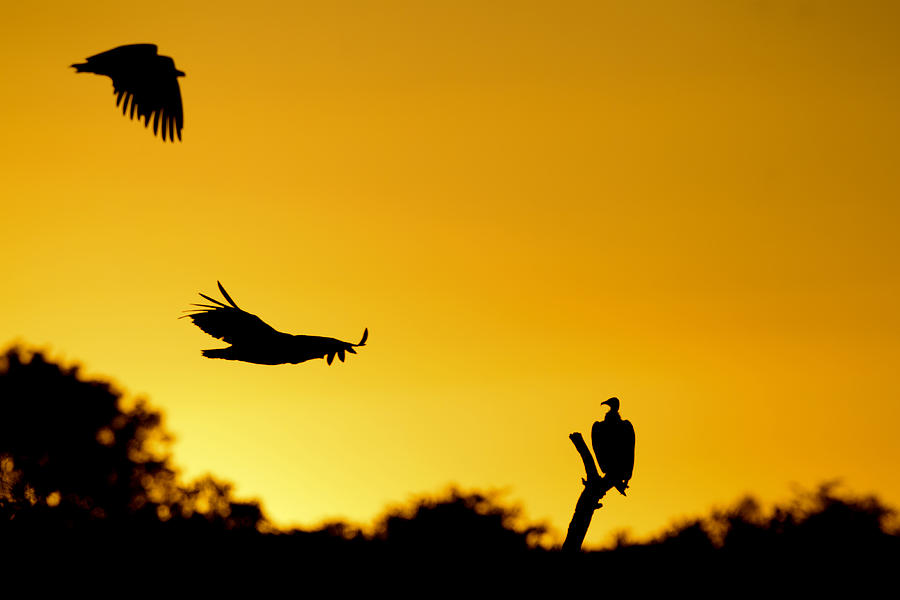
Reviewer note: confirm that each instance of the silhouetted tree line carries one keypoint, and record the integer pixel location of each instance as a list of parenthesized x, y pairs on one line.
[(74, 458), (818, 534), (80, 463)]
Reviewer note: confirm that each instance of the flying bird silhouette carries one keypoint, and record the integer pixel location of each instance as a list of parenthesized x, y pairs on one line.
[(148, 80), (613, 442), (253, 341)]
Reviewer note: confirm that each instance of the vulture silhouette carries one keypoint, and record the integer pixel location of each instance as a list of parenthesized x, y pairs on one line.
[(146, 79), (613, 442), (253, 341)]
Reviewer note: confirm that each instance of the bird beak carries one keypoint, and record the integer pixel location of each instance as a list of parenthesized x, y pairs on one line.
[(605, 402), (179, 73)]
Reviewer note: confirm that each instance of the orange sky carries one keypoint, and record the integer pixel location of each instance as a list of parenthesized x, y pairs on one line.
[(533, 206)]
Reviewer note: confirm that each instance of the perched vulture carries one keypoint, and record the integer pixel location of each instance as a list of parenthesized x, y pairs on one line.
[(613, 442), (253, 341), (145, 78)]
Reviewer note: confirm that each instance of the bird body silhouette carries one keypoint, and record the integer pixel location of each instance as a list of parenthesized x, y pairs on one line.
[(148, 80), (613, 442), (254, 341)]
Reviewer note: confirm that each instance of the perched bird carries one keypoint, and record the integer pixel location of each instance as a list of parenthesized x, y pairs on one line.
[(253, 341), (148, 80), (613, 442)]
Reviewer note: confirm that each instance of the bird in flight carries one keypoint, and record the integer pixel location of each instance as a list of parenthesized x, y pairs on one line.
[(253, 341), (145, 78), (613, 442)]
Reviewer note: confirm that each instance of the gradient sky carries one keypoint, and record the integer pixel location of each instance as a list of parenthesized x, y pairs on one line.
[(533, 206)]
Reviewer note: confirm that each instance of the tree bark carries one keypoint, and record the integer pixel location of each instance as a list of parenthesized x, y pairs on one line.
[(595, 487)]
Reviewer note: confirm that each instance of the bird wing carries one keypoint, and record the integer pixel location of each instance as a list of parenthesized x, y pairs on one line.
[(627, 450), (314, 346), (228, 322), (146, 80), (600, 443), (171, 110), (118, 61), (157, 95)]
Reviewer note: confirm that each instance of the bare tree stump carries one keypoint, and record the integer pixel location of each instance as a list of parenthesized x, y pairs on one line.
[(595, 487)]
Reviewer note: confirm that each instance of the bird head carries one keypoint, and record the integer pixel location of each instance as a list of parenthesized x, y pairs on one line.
[(167, 60), (613, 404)]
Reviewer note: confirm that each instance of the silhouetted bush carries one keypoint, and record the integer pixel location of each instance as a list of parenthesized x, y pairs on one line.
[(457, 523), (817, 538), (74, 457), (78, 462)]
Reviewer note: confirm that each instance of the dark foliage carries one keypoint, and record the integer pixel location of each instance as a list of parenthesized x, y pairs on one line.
[(74, 459), (80, 469), (820, 539), (449, 524)]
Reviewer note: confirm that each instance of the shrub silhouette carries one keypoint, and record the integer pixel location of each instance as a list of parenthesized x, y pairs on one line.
[(457, 523), (73, 456), (820, 538), (78, 460)]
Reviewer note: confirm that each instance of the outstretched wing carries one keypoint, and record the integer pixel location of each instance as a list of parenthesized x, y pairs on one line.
[(306, 347), (229, 323), (145, 79), (120, 62)]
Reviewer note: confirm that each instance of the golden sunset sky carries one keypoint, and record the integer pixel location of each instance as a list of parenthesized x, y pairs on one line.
[(533, 206)]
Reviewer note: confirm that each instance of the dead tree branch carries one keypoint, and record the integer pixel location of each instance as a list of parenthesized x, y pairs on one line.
[(595, 487)]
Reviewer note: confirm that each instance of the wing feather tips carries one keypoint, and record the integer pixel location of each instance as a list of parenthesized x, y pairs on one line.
[(213, 300), (224, 293), (365, 336), (139, 72)]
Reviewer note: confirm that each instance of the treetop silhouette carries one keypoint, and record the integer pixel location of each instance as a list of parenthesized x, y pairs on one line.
[(76, 458), (72, 455)]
